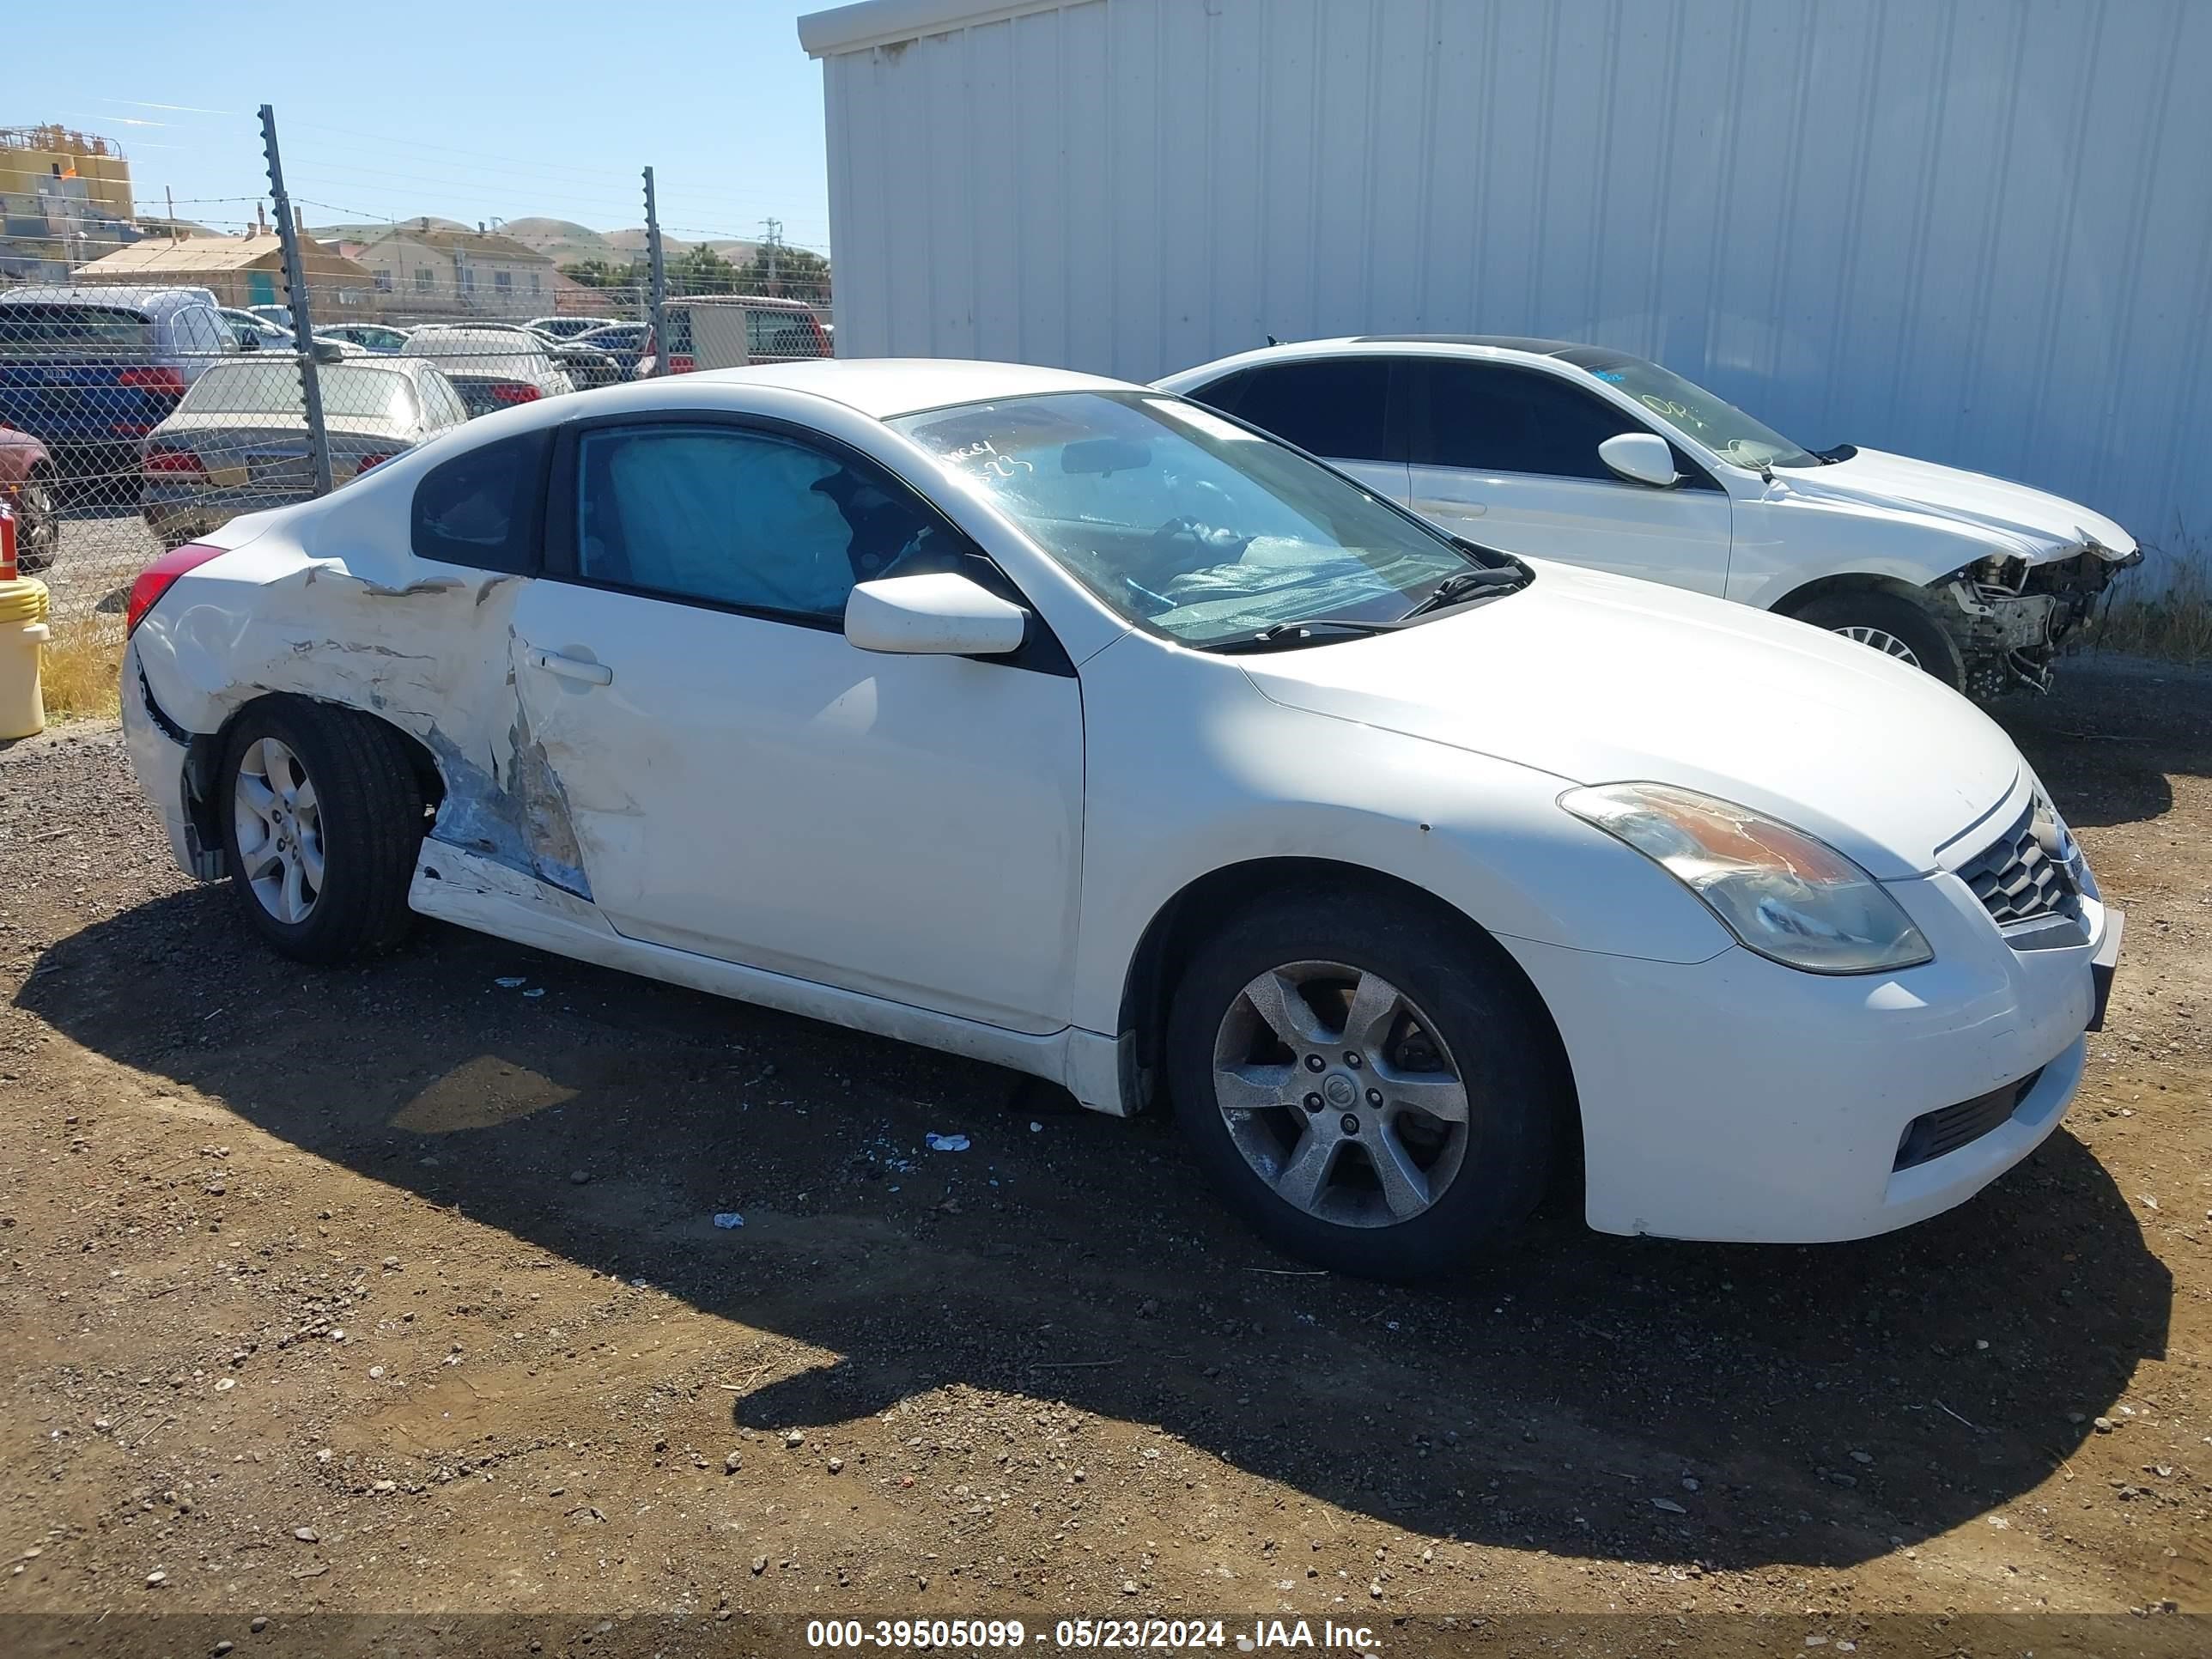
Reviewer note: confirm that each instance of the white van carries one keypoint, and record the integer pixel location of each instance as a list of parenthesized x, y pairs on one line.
[(729, 331)]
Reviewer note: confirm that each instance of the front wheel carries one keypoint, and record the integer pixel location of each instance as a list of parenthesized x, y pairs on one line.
[(322, 816), (1368, 1086), (1897, 626)]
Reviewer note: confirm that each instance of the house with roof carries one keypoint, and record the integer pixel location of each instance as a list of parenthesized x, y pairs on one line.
[(241, 271), (426, 267)]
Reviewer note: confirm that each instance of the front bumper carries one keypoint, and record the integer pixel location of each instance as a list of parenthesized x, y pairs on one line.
[(1736, 1099)]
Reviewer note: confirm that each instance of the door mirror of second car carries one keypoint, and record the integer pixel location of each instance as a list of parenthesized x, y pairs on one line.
[(1641, 457), (940, 615)]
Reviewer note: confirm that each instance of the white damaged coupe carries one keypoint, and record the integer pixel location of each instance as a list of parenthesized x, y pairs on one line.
[(1074, 727)]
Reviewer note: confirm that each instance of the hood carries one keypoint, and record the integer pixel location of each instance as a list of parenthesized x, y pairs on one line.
[(2030, 524), (1603, 679)]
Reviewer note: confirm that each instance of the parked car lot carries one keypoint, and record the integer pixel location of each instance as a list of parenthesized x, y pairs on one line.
[(238, 441), (1388, 956), (1597, 457), (504, 1203)]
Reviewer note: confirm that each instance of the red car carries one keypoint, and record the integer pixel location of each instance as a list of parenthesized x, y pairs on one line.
[(27, 483)]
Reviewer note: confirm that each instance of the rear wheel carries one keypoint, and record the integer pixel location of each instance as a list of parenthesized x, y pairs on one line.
[(1896, 624), (1373, 1093), (323, 821), (39, 525)]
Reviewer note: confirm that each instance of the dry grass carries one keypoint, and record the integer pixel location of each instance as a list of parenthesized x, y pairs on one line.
[(81, 662), (2162, 608)]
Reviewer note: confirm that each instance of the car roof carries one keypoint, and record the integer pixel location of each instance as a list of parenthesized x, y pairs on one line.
[(886, 388), (1532, 344), (116, 295)]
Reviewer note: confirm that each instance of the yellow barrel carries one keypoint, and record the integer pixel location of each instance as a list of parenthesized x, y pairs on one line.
[(22, 631)]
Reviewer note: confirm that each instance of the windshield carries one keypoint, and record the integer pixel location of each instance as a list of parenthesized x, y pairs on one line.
[(255, 389), (1690, 408), (1181, 521)]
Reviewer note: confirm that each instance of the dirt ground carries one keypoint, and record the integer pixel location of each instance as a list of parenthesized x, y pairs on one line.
[(399, 1289)]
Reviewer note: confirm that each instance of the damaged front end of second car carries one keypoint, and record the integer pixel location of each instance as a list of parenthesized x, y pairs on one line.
[(2011, 616)]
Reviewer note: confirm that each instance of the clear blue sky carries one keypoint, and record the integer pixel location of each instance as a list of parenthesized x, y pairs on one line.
[(465, 109)]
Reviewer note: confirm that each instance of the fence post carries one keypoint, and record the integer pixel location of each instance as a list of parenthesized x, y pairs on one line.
[(657, 274), (295, 297)]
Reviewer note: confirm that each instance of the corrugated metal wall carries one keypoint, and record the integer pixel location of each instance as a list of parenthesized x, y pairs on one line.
[(1975, 230)]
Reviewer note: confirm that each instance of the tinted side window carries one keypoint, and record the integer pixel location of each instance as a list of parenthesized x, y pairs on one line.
[(482, 508), (1496, 419), (1223, 394), (1337, 407), (752, 520)]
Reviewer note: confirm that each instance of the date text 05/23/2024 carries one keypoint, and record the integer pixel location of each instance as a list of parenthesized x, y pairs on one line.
[(1138, 1634)]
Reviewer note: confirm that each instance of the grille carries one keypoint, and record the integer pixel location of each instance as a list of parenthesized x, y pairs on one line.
[(2016, 878), (1933, 1134)]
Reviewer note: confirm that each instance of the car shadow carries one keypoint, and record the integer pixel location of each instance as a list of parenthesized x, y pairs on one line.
[(2113, 732), (1584, 1395)]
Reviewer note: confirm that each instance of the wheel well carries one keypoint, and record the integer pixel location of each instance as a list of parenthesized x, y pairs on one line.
[(1174, 932), (1850, 582), (203, 755)]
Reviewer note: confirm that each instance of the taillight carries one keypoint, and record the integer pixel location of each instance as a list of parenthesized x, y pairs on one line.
[(164, 460), (157, 578), (367, 462), (681, 362), (168, 381), (513, 391)]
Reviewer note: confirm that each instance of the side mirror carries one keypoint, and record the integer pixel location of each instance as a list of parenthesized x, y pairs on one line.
[(249, 342), (1641, 457), (940, 615)]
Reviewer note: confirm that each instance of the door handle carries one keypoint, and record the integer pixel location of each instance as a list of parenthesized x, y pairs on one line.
[(574, 668)]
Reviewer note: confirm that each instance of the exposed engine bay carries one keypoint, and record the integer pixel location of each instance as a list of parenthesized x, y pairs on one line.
[(2010, 617)]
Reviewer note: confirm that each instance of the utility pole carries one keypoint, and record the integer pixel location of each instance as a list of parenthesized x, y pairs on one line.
[(657, 274), (295, 293), (771, 239), (169, 195)]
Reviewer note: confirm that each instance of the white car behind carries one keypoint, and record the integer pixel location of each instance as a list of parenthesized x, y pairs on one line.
[(1068, 725), (1602, 458)]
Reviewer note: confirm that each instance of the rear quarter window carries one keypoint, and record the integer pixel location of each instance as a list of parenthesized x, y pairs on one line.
[(482, 508)]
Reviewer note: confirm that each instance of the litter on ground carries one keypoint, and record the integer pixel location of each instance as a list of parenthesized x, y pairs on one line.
[(939, 1143)]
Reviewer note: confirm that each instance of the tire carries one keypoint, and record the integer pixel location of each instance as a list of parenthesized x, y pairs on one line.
[(1482, 1174), (39, 527), (359, 830), (1894, 623)]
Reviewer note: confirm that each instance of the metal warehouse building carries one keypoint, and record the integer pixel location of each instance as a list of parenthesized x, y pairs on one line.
[(1975, 230)]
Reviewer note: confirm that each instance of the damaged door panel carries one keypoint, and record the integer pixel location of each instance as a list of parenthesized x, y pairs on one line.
[(762, 791)]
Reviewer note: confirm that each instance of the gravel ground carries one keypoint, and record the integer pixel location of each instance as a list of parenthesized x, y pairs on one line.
[(399, 1289)]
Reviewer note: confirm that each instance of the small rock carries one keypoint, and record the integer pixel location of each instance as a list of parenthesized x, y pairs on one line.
[(1375, 1587), (1861, 1457), (260, 1622), (1669, 1505), (2076, 1419), (794, 1438), (730, 1464), (1689, 1483), (2102, 1425), (156, 1577), (223, 1647), (1128, 1587), (580, 1177), (760, 1566), (102, 1425), (224, 1385), (385, 1485), (837, 1466), (307, 1534), (323, 1455), (338, 1335), (375, 1373), (392, 1261)]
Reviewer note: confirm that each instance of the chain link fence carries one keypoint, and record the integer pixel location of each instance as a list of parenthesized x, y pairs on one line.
[(195, 373)]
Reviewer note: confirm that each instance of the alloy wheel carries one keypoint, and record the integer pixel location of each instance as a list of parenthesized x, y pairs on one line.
[(1340, 1094), (280, 831), (1884, 641)]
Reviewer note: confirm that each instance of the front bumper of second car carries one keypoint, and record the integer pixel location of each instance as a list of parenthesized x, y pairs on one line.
[(1736, 1099)]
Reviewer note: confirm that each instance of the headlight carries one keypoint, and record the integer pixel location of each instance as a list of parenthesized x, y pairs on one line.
[(1786, 895)]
